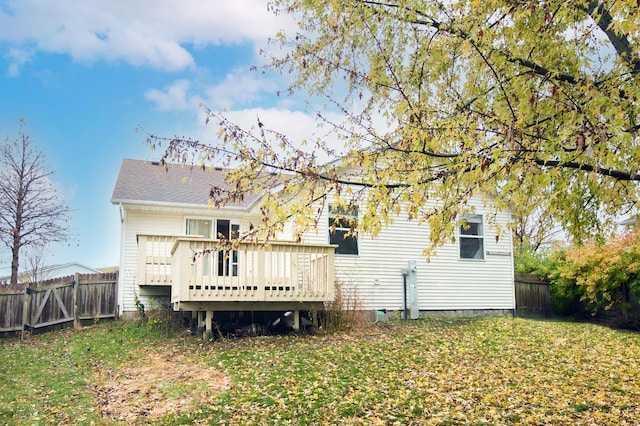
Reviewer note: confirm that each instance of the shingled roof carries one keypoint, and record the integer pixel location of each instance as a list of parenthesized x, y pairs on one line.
[(150, 182)]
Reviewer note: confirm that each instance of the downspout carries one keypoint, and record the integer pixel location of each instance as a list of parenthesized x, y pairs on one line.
[(405, 273), (121, 280), (513, 277), (414, 306)]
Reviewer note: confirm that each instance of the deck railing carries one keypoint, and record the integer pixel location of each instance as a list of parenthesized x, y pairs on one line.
[(198, 272), (154, 259)]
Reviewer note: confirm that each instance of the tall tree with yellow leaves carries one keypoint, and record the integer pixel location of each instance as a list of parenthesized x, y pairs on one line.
[(535, 103)]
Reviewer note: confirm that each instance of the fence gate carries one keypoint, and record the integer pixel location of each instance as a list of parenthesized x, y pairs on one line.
[(61, 301), (50, 306), (533, 298)]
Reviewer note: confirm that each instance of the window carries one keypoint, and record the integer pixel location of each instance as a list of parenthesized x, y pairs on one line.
[(342, 224), (224, 263), (213, 228), (200, 227), (472, 237)]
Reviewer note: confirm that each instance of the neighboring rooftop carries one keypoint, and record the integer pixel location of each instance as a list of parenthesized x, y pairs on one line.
[(152, 182), (54, 271), (630, 221)]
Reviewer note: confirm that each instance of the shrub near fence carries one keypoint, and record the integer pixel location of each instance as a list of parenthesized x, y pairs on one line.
[(59, 302)]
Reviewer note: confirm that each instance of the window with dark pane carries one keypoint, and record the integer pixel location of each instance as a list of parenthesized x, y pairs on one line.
[(342, 229), (471, 237)]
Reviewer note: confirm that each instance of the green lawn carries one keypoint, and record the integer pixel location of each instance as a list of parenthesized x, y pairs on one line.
[(481, 371)]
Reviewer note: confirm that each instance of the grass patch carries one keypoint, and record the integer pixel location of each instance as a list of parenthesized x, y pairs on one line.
[(480, 371), (45, 379)]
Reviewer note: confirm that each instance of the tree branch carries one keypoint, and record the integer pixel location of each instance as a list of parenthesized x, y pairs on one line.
[(597, 11), (616, 174), (437, 25)]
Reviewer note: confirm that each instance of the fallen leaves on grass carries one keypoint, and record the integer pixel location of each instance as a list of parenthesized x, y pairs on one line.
[(166, 383), (491, 371), (485, 371)]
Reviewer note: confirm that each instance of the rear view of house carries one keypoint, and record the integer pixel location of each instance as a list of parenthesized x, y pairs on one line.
[(172, 248)]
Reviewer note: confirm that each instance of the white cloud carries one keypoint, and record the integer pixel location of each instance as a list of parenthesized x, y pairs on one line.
[(139, 32), (300, 128), (66, 193), (238, 88), (17, 58), (173, 98)]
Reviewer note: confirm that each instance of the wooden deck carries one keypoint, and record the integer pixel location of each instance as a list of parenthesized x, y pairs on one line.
[(198, 273)]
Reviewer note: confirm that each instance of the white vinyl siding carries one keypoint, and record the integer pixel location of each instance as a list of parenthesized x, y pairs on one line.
[(444, 283), (142, 223)]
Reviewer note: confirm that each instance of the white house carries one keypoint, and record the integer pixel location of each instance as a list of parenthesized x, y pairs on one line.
[(167, 222)]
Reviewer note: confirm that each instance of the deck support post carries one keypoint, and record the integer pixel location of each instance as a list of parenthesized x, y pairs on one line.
[(296, 320), (208, 331), (200, 319)]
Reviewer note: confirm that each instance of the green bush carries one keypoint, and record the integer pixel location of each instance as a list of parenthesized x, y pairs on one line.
[(591, 278), (566, 296), (528, 261), (604, 277)]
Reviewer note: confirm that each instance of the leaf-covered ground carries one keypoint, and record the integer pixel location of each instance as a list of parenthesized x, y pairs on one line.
[(483, 371)]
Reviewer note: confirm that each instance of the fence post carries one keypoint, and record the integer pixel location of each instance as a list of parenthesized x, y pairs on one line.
[(116, 307), (76, 310), (26, 304)]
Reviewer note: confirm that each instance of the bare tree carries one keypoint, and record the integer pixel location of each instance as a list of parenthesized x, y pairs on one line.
[(31, 212), (36, 265)]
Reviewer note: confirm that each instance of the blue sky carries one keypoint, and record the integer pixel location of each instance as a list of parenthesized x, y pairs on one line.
[(84, 75)]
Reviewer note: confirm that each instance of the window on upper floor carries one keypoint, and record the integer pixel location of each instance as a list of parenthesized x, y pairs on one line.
[(221, 263), (213, 228), (471, 237), (342, 229), (202, 227)]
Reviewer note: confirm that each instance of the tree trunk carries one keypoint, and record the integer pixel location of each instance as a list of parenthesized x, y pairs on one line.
[(15, 257), (17, 234)]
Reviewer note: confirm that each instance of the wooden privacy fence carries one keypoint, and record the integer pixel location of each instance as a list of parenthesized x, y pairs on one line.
[(533, 297), (61, 301)]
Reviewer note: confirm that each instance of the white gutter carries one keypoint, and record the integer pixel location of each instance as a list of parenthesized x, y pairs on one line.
[(174, 204)]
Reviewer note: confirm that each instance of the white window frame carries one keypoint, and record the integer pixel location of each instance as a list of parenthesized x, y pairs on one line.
[(464, 235), (213, 224), (211, 221), (212, 265), (348, 216)]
